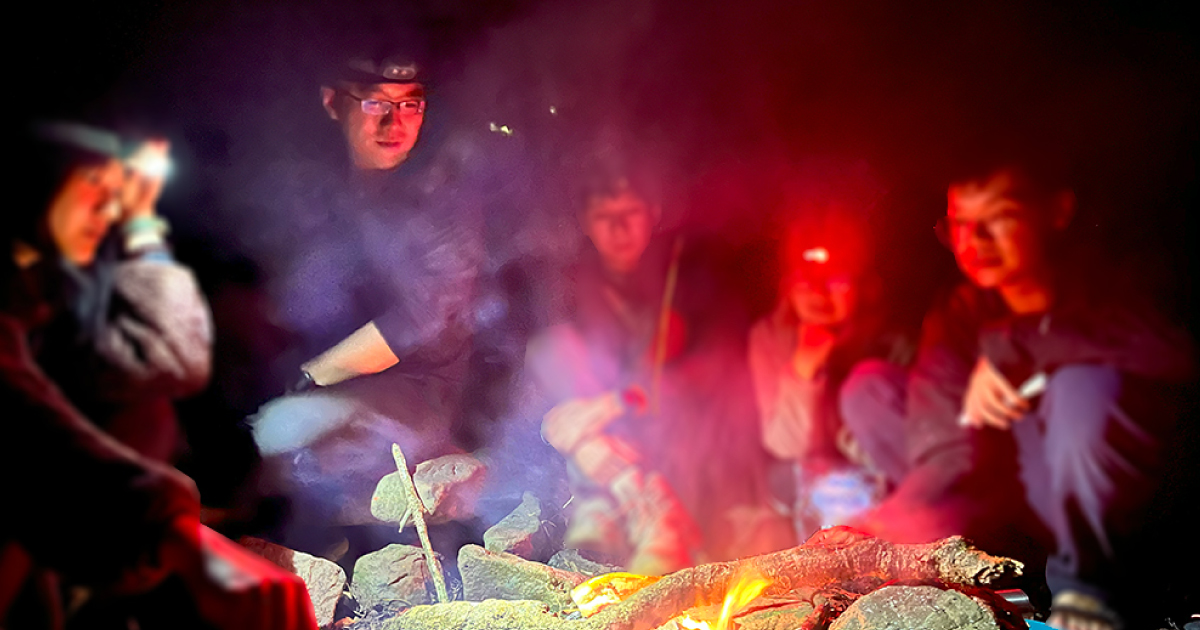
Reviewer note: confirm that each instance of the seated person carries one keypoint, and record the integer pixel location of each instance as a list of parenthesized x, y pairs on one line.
[(829, 381), (1073, 367), (82, 506), (133, 332), (643, 393)]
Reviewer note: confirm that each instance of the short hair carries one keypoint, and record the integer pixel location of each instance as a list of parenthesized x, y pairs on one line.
[(606, 176), (1042, 168)]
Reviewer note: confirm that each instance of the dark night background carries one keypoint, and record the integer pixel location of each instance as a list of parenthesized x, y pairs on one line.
[(721, 95)]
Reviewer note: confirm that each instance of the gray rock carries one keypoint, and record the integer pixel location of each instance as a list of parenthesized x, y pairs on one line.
[(449, 486), (324, 580), (784, 617), (489, 615), (524, 532), (907, 607), (396, 573), (572, 560), (490, 575)]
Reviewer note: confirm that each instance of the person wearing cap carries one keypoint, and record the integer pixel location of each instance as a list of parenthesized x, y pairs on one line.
[(378, 278), (84, 509), (828, 373)]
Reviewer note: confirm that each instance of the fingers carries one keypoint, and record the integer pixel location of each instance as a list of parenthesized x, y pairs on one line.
[(991, 400), (147, 172)]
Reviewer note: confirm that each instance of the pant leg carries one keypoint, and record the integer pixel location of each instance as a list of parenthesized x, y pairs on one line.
[(1084, 466), (872, 401)]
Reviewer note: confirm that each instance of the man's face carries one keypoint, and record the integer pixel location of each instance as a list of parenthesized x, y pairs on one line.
[(997, 235), (84, 208), (620, 227), (376, 141)]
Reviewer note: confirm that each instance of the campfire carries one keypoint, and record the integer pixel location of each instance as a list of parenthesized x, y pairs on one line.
[(840, 579)]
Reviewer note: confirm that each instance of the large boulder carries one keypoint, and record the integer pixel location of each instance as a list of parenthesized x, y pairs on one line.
[(490, 575), (394, 574), (525, 532), (324, 580), (925, 607), (449, 486)]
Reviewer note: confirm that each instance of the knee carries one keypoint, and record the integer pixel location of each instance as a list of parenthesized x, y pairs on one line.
[(872, 395), (1093, 381), (1080, 409)]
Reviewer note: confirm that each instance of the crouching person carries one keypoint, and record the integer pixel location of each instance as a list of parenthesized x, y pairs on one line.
[(84, 509), (1071, 366)]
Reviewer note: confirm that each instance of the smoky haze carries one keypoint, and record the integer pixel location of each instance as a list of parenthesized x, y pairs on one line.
[(719, 100)]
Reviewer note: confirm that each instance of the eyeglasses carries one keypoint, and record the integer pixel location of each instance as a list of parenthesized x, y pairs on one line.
[(377, 107), (949, 230)]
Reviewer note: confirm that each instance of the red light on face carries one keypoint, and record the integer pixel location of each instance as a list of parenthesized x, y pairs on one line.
[(818, 255)]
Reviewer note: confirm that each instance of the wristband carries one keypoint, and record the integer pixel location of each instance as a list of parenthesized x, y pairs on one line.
[(144, 234)]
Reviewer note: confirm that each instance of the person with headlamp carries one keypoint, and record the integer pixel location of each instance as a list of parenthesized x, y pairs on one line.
[(98, 326)]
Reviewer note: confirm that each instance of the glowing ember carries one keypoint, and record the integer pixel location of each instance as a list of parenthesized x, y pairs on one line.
[(610, 588), (691, 624), (744, 591)]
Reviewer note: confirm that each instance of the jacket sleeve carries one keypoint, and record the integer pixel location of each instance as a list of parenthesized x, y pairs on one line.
[(157, 335), (433, 315), (76, 499)]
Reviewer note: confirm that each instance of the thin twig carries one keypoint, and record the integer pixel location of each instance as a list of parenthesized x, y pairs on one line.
[(418, 511)]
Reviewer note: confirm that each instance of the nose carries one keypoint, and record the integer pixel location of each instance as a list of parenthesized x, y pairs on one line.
[(389, 118)]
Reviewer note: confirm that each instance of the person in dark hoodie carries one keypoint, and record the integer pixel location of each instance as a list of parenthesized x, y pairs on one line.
[(82, 508), (1044, 378)]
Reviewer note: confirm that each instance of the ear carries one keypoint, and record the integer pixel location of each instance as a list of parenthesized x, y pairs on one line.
[(328, 95), (1062, 209)]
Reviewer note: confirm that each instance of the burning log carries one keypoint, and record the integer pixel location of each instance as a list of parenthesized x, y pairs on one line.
[(838, 555), (832, 555)]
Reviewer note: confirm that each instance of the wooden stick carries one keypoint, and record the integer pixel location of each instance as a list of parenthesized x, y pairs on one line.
[(664, 327), (418, 511)]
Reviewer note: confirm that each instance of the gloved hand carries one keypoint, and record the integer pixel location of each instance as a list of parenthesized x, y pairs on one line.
[(567, 425)]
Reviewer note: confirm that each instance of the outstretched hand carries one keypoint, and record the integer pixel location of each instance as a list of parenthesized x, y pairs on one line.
[(991, 400)]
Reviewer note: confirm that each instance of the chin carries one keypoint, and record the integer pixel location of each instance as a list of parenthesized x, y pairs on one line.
[(988, 278)]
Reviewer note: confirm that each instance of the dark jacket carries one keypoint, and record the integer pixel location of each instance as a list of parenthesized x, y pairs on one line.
[(75, 499), (1084, 327)]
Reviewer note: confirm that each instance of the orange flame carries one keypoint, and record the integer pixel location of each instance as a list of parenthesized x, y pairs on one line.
[(688, 623), (745, 590), (610, 588)]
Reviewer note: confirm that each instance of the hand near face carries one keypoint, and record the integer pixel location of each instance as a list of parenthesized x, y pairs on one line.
[(991, 400), (146, 174)]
